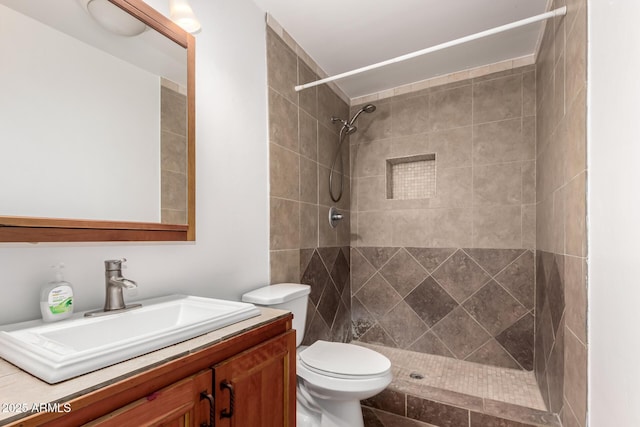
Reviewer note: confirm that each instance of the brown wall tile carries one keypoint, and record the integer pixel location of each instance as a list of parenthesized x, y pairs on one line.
[(308, 225), (575, 379), (301, 135), (327, 143), (174, 194), (454, 188), (308, 181), (436, 413), (327, 236), (575, 216), (560, 361), (499, 184), (174, 152), (285, 226), (282, 67), (389, 289), (308, 98), (283, 121), (308, 128), (410, 116), (503, 141), (450, 108), (483, 420), (497, 99), (285, 266), (575, 273), (389, 401), (284, 173), (374, 126), (497, 226), (492, 353), (173, 111), (403, 325), (452, 147)]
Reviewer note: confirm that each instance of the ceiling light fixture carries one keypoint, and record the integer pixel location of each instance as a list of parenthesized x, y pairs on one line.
[(181, 14), (112, 18)]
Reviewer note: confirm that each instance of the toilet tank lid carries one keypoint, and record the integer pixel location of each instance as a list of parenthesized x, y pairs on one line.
[(276, 294)]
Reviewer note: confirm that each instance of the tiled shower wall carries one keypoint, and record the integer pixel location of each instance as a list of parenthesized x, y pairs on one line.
[(561, 293), (302, 142), (451, 274), (173, 150)]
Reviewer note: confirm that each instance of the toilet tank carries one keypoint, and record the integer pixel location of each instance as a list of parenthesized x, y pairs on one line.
[(285, 296)]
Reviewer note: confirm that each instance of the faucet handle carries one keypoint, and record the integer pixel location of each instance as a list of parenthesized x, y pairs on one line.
[(114, 264)]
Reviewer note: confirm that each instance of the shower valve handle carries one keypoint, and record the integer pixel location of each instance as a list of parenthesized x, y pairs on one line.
[(334, 217)]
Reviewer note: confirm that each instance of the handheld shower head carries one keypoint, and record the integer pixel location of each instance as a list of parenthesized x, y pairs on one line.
[(369, 108), (347, 129)]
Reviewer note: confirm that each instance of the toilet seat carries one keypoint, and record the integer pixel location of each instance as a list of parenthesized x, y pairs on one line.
[(345, 361)]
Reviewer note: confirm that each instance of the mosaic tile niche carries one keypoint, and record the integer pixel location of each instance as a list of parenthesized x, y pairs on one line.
[(468, 304)]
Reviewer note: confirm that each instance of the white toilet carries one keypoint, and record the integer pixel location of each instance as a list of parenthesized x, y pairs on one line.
[(332, 377)]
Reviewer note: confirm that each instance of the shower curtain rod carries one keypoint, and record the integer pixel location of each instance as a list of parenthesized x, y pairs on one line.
[(551, 14)]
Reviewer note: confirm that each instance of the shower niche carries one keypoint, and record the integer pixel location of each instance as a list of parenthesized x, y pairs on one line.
[(412, 177)]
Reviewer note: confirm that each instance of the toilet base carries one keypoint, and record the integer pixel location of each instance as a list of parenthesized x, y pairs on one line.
[(313, 412)]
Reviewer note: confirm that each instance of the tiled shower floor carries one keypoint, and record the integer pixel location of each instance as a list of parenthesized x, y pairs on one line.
[(487, 382)]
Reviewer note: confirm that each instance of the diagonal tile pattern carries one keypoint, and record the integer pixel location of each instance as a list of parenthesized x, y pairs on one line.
[(327, 271), (430, 301), (460, 333), (494, 308), (378, 296), (549, 327), (403, 272), (362, 270), (377, 256), (473, 304), (461, 276), (431, 258)]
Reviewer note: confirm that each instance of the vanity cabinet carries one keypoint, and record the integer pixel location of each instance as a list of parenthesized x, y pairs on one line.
[(247, 380), (252, 388), (176, 405)]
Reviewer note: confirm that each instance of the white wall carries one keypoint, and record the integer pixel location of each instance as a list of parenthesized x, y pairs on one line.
[(77, 93), (614, 213), (230, 255)]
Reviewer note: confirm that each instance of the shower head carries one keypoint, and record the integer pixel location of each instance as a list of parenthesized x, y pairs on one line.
[(347, 129), (369, 108)]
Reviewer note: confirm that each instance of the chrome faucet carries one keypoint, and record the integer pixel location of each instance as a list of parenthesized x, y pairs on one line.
[(115, 283)]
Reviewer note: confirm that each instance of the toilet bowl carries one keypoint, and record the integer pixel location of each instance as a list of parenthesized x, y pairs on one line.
[(332, 377)]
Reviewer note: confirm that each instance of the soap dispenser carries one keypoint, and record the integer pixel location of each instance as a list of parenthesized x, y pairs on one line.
[(56, 297)]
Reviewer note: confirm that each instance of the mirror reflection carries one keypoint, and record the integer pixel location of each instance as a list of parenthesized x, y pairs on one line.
[(94, 120)]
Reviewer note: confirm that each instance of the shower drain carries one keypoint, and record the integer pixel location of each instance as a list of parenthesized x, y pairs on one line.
[(416, 376)]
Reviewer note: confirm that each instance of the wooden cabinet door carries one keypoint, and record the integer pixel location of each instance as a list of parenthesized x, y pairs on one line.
[(257, 388), (178, 405)]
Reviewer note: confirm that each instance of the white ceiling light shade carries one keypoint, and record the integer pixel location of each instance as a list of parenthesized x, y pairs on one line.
[(181, 14), (112, 18)]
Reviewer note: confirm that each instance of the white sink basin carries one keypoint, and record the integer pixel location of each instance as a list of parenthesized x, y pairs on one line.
[(58, 351)]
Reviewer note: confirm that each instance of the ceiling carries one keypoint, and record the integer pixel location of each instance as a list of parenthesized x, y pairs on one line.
[(343, 35)]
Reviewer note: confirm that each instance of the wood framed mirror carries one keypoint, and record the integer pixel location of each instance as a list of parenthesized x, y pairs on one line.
[(95, 160)]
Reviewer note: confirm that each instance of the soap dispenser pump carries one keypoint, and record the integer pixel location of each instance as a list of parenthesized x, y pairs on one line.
[(56, 297)]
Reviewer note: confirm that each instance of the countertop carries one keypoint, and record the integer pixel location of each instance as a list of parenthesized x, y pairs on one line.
[(20, 391)]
